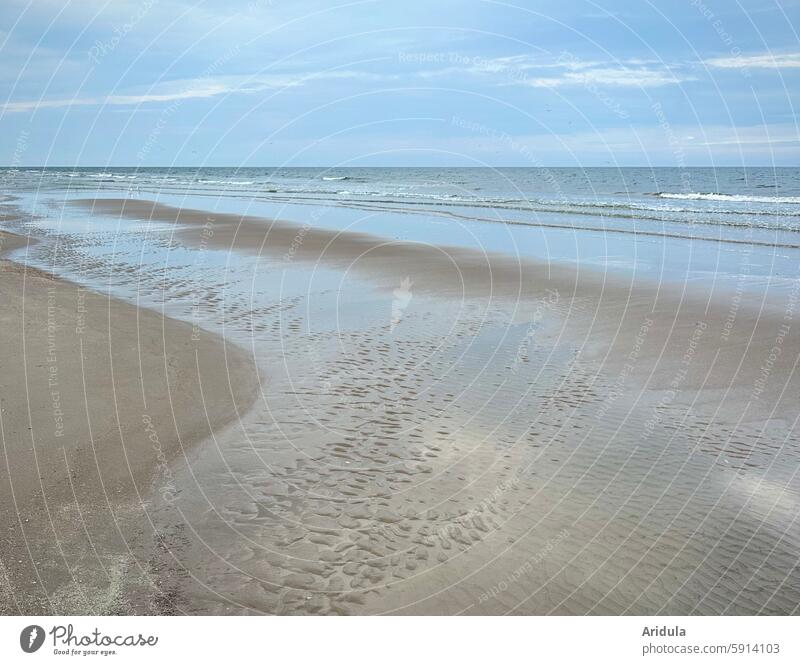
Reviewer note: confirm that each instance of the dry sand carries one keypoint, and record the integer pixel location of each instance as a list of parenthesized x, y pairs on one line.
[(97, 398)]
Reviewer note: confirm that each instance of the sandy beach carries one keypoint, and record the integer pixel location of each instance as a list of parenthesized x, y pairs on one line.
[(98, 398), (454, 431)]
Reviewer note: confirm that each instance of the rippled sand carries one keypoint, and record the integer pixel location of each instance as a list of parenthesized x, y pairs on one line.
[(471, 433), (424, 473)]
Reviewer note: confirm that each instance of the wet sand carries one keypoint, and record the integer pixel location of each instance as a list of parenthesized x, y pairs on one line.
[(450, 431), (98, 398), (605, 314)]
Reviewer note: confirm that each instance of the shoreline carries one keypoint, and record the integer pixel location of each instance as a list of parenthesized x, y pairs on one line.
[(620, 432), (603, 313), (99, 398), (423, 450)]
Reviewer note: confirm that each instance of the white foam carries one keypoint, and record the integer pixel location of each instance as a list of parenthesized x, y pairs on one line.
[(739, 198)]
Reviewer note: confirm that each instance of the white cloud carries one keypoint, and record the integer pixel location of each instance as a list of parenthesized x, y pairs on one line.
[(609, 76), (758, 61), (755, 141), (184, 89), (199, 89), (568, 70)]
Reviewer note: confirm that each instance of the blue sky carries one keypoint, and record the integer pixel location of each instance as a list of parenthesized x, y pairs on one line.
[(411, 82)]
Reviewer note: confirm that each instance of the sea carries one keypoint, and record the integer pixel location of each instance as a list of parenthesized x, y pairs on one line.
[(667, 223)]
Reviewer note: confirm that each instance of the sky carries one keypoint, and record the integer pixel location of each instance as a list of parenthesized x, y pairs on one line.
[(399, 83)]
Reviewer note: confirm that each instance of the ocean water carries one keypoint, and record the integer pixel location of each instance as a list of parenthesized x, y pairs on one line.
[(703, 220), (663, 200)]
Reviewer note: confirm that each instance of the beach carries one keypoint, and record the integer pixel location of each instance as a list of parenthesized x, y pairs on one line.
[(98, 398), (448, 421)]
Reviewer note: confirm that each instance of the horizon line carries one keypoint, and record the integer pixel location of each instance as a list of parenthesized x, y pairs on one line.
[(409, 166)]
